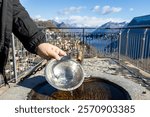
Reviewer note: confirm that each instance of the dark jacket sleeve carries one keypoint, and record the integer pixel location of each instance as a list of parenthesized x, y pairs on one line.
[(25, 29)]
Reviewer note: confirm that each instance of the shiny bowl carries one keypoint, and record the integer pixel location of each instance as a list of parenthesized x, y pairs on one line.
[(65, 74)]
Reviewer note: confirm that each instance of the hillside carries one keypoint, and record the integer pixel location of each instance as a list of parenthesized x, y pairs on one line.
[(108, 27), (44, 24)]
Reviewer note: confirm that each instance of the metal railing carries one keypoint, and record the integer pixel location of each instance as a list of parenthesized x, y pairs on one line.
[(130, 44), (19, 61)]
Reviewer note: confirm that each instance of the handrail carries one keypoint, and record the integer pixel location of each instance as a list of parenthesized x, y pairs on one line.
[(126, 27)]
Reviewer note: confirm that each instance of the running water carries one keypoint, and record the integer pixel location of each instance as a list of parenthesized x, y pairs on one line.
[(71, 92)]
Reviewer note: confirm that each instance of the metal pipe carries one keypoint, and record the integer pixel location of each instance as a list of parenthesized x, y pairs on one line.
[(119, 46), (143, 44), (14, 57), (126, 54), (83, 35)]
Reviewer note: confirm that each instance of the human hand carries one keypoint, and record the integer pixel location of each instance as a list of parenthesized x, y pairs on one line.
[(47, 51)]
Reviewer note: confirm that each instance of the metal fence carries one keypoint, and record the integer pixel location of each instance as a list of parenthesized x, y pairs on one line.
[(130, 44), (19, 61), (135, 47)]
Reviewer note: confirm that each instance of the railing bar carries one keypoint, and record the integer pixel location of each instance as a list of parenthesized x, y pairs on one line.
[(143, 41), (14, 58)]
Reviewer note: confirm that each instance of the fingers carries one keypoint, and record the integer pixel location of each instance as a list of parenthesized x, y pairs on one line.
[(48, 51), (54, 52), (62, 53), (59, 51), (56, 56)]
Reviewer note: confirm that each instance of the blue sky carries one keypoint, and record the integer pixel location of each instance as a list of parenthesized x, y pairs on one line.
[(86, 12)]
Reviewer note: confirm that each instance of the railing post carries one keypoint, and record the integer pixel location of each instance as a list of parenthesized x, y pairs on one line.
[(83, 42), (143, 44), (46, 35), (126, 54), (119, 46), (83, 36), (14, 57)]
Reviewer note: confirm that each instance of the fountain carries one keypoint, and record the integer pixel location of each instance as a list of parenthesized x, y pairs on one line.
[(93, 88)]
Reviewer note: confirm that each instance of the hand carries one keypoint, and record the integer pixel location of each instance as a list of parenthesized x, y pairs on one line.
[(47, 51)]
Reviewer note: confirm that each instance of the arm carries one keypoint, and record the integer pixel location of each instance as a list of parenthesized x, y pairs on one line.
[(25, 29), (32, 38)]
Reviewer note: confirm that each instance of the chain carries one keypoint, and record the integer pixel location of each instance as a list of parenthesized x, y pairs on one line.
[(36, 69)]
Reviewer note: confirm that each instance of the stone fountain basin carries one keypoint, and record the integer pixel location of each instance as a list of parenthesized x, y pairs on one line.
[(93, 88)]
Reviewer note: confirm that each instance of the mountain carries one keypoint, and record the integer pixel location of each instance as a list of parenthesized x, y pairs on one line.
[(113, 25), (51, 23), (54, 23), (63, 25), (60, 25), (44, 24), (142, 20), (109, 27)]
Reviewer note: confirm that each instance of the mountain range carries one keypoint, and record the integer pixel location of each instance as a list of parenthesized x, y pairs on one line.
[(110, 27), (52, 23)]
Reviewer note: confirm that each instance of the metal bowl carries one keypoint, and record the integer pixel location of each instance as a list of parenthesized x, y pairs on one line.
[(65, 74)]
